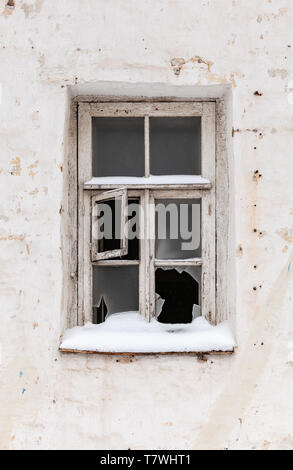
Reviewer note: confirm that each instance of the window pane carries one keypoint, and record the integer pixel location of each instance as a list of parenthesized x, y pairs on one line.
[(109, 224), (115, 289), (177, 294), (178, 228), (175, 146), (118, 146)]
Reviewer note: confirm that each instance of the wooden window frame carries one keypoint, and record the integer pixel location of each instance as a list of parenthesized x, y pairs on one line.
[(97, 255), (147, 194)]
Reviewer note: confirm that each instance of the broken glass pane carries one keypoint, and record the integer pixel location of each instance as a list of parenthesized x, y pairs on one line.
[(175, 145), (178, 228), (115, 289), (177, 294), (118, 146)]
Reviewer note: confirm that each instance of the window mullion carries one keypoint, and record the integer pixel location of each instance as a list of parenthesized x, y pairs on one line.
[(152, 240), (147, 259), (143, 293), (147, 146)]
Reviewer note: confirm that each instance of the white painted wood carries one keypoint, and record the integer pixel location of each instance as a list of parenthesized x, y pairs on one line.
[(132, 193), (152, 181), (116, 262), (224, 187), (143, 249), (152, 241), (191, 186), (162, 109), (112, 194), (173, 193), (70, 256), (84, 215), (208, 235), (146, 146), (178, 262), (143, 99), (146, 259)]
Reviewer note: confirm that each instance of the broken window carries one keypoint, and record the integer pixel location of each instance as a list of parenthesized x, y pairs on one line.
[(146, 243), (115, 289), (177, 294)]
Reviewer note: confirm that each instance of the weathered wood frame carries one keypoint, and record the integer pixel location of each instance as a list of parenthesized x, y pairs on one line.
[(97, 255), (147, 263)]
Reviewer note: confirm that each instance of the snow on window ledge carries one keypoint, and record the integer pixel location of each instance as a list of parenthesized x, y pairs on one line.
[(152, 179), (128, 332)]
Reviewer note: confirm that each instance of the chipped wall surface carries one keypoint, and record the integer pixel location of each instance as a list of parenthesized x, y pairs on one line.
[(49, 50)]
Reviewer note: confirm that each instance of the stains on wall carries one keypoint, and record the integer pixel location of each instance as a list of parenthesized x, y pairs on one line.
[(200, 60), (236, 131), (8, 9), (13, 237), (203, 67), (282, 73), (239, 251), (32, 169), (256, 175), (273, 15), (286, 234), (177, 64), (32, 9), (15, 169), (247, 371), (34, 192)]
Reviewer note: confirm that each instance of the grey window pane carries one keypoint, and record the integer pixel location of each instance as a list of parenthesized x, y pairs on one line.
[(115, 289), (178, 228), (118, 146), (175, 146)]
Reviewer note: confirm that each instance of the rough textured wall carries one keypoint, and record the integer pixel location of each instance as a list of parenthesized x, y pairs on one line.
[(54, 401)]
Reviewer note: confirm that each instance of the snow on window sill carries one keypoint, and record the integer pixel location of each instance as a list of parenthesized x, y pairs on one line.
[(151, 181), (129, 333)]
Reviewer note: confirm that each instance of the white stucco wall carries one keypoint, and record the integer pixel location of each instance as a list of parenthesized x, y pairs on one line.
[(49, 400)]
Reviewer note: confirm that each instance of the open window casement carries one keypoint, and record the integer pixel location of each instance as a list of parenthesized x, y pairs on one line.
[(109, 225)]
